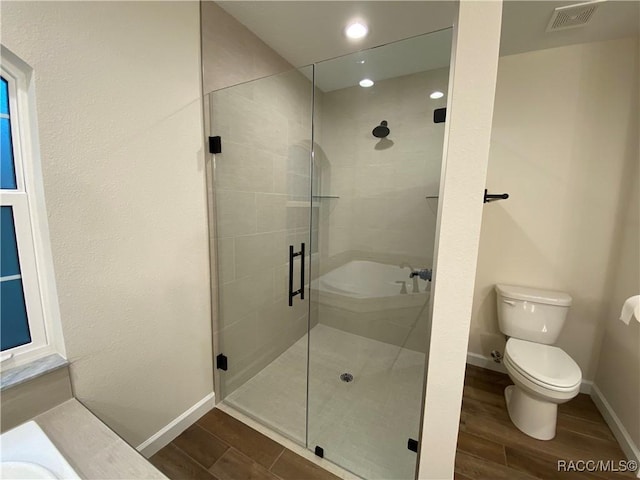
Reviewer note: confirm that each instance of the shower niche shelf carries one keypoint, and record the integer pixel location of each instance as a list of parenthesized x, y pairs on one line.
[(314, 203)]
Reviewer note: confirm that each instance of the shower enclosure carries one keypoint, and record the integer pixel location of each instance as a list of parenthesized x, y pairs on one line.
[(325, 197)]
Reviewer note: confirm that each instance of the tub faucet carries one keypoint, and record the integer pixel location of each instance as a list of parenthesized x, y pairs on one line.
[(423, 273), (414, 286)]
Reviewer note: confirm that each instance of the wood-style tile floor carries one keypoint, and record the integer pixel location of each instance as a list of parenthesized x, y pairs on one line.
[(220, 447), (489, 446)]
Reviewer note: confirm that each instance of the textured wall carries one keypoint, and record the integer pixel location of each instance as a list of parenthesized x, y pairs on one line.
[(559, 145), (618, 374), (120, 120), (469, 115)]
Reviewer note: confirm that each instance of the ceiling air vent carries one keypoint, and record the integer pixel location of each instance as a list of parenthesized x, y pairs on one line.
[(572, 16)]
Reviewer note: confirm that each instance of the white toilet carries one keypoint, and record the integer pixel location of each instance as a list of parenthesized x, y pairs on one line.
[(544, 375)]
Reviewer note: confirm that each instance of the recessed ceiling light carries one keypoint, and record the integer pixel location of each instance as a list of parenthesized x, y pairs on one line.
[(366, 82), (356, 30), (436, 94), (361, 61)]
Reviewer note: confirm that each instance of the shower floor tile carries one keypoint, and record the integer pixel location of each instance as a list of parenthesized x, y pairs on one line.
[(362, 425)]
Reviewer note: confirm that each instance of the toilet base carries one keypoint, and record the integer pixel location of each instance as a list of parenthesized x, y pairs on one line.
[(537, 418)]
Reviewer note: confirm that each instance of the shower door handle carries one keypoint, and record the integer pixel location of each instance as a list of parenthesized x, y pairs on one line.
[(292, 256), (302, 271)]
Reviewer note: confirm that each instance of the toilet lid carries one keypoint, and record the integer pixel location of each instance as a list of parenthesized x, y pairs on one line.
[(545, 363)]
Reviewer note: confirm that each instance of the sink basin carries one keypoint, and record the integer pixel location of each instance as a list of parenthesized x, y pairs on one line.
[(27, 453), (24, 471)]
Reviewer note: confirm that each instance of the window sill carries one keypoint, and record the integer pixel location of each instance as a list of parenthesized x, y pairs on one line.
[(23, 373)]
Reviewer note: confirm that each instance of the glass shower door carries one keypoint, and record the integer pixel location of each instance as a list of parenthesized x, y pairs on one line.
[(377, 158), (262, 196), (325, 196)]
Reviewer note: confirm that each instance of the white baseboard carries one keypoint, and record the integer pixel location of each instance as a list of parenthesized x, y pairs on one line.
[(488, 363), (586, 387), (629, 448), (178, 425)]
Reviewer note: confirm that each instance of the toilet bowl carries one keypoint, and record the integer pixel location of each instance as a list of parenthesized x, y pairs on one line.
[(544, 375)]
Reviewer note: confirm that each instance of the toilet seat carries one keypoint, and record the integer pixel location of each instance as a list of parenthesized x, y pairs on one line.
[(545, 365)]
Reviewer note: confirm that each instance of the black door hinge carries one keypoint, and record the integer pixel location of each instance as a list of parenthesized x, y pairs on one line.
[(221, 362), (215, 145), (439, 115), (412, 445)]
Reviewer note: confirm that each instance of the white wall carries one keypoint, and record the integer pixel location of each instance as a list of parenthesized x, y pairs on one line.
[(471, 93), (559, 146), (120, 120), (618, 374)]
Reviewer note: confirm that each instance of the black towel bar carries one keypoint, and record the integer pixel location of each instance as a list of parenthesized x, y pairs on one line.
[(492, 197)]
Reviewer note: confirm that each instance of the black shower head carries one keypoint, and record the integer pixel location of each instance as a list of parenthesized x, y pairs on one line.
[(381, 131)]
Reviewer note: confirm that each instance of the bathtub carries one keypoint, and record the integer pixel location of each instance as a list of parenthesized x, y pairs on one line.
[(363, 279), (372, 299)]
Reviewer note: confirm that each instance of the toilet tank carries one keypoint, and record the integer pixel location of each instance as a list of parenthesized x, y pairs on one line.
[(531, 314)]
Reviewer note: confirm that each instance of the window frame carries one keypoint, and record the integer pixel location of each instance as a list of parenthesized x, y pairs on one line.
[(30, 220)]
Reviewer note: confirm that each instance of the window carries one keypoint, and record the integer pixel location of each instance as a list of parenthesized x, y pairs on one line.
[(27, 314)]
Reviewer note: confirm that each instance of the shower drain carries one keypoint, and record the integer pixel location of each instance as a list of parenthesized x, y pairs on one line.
[(346, 377)]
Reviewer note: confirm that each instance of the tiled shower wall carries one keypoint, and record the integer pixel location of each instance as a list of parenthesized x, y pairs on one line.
[(382, 211), (262, 202), (262, 194)]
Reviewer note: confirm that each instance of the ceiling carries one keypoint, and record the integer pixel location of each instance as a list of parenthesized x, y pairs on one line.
[(413, 55), (524, 24), (305, 32)]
